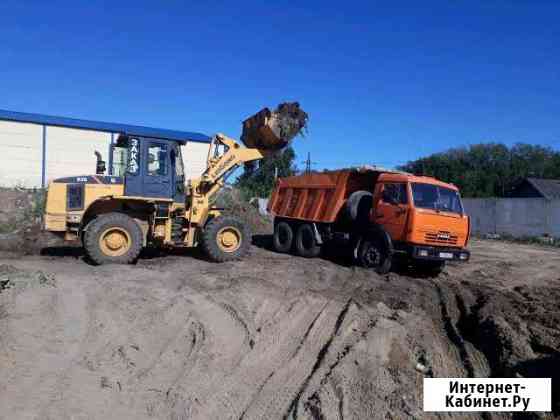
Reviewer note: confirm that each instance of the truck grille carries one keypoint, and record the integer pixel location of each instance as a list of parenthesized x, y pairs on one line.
[(441, 238)]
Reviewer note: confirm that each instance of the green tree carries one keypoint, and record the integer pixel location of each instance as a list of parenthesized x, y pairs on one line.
[(258, 178), (488, 169)]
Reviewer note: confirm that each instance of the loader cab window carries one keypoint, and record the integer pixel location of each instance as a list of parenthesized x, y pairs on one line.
[(157, 160), (177, 163), (120, 158)]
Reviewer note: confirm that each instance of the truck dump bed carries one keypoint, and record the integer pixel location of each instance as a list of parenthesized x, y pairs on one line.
[(318, 197)]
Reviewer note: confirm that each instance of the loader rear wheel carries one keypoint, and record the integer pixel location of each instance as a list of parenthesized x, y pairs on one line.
[(306, 244), (225, 239), (283, 237), (113, 238)]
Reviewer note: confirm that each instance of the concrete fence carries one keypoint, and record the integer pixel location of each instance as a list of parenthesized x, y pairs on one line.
[(517, 217)]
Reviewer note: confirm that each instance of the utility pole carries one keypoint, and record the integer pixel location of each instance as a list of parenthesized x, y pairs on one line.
[(308, 163)]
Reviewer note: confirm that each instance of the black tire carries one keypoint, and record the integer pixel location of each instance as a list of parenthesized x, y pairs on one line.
[(283, 238), (372, 253), (358, 207), (102, 250), (215, 243), (306, 245)]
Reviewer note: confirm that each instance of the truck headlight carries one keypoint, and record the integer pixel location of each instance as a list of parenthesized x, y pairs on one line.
[(423, 253), (463, 256)]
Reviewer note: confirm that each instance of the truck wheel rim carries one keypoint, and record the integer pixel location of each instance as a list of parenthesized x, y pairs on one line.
[(114, 242), (372, 256), (229, 239)]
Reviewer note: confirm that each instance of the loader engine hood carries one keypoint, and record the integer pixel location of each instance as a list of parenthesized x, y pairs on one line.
[(69, 197), (90, 179)]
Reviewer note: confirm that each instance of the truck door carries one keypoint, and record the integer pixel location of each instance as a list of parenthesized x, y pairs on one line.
[(391, 208), (158, 172)]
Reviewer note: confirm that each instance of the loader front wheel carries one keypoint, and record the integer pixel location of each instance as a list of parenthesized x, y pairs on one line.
[(113, 238), (225, 239)]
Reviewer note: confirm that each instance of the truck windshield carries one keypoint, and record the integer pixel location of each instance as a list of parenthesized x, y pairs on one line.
[(429, 196)]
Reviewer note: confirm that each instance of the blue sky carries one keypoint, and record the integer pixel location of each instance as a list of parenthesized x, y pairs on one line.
[(383, 82)]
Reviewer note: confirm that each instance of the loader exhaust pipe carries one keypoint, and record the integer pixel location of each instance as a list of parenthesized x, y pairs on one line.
[(100, 166)]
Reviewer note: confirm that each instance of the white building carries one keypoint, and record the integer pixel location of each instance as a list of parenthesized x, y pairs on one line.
[(35, 149)]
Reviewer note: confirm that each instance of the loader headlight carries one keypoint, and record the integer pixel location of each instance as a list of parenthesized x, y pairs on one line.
[(73, 218)]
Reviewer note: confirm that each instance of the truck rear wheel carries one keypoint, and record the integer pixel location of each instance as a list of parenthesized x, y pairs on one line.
[(113, 238), (225, 239), (283, 237), (306, 244), (373, 254)]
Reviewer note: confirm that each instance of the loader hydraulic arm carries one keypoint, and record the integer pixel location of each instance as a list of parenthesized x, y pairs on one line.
[(234, 155), (212, 180)]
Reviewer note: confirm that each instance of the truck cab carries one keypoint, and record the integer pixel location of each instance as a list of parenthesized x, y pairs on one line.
[(424, 217)]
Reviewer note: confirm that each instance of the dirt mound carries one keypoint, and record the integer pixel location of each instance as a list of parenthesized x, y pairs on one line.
[(21, 213), (273, 336), (234, 204), (12, 277), (20, 208)]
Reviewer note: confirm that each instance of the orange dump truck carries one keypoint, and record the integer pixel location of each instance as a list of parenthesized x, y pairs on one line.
[(380, 216)]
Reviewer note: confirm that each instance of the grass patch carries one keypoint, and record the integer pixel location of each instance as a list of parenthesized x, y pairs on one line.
[(545, 241)]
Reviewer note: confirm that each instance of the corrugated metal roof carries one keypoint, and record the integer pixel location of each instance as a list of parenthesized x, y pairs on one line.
[(131, 130), (549, 188)]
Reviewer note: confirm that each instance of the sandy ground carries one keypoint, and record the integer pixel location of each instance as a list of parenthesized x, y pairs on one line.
[(273, 336)]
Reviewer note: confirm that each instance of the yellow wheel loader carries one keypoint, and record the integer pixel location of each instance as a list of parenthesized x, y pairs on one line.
[(146, 201)]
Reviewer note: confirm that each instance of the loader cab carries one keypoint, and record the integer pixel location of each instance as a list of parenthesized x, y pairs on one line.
[(151, 168)]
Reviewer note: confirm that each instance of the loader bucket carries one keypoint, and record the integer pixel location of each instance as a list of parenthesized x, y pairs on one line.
[(273, 130)]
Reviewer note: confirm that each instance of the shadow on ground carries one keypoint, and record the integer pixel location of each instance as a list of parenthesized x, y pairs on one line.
[(341, 255)]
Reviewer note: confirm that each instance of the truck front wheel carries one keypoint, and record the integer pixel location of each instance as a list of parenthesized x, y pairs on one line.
[(225, 239), (113, 238), (373, 254), (283, 237), (306, 244)]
